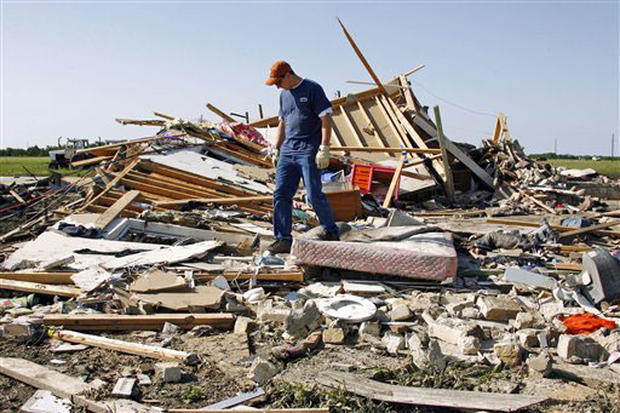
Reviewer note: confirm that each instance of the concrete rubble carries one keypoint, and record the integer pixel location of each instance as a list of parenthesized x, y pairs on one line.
[(164, 244)]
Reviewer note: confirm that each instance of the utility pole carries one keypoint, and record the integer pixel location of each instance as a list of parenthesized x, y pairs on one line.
[(555, 146), (612, 145)]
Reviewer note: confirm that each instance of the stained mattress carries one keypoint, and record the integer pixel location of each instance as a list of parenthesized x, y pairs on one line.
[(428, 256)]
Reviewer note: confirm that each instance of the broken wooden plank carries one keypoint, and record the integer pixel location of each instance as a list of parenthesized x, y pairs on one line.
[(220, 113), (159, 353), (100, 322), (42, 377), (39, 277), (380, 149), (113, 182), (591, 228), (449, 181), (90, 161), (115, 210), (37, 288), (292, 276), (503, 221), (456, 399), (394, 183), (221, 201), (16, 196)]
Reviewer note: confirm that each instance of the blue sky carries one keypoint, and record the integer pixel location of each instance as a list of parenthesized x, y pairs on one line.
[(70, 68)]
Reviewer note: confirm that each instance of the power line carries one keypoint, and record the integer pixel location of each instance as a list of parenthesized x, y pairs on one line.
[(475, 112)]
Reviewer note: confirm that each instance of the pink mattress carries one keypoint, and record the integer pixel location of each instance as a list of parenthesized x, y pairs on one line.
[(428, 256)]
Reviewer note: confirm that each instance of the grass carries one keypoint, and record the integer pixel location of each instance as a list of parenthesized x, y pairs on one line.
[(605, 167), (13, 166)]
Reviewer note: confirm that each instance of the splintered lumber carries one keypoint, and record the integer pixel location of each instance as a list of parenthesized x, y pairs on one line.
[(380, 149), (62, 385), (449, 182), (363, 59), (455, 399), (223, 201), (591, 228), (42, 377), (220, 113), (393, 183), (39, 277), (113, 182), (101, 322), (144, 122), (162, 115), (90, 161), (138, 349), (30, 287), (114, 211)]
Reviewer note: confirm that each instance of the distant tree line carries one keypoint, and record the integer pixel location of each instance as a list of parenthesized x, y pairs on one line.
[(31, 151), (551, 155)]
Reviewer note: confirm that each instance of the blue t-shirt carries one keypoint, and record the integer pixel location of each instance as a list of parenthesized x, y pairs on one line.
[(300, 109)]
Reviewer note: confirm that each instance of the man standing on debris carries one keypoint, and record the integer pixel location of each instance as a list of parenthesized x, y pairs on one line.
[(301, 149)]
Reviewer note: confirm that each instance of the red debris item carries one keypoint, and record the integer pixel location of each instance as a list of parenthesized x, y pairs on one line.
[(586, 323), (243, 132)]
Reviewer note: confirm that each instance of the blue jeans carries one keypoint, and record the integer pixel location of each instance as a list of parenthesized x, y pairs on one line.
[(288, 171)]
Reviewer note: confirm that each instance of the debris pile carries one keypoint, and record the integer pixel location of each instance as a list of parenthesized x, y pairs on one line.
[(145, 284)]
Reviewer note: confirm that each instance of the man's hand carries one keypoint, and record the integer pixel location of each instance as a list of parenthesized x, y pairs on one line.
[(275, 155), (322, 157)]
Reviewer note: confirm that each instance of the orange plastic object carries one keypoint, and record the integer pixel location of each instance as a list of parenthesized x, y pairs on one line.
[(586, 323), (364, 175)]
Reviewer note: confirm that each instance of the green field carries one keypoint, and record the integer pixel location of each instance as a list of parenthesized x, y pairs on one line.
[(14, 165), (605, 167)]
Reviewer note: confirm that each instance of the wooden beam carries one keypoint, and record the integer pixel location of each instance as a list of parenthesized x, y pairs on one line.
[(113, 182), (586, 230), (380, 149), (419, 161), (517, 222), (220, 113), (90, 161), (162, 115), (363, 60), (154, 352), (115, 210), (101, 322), (39, 277), (449, 181), (292, 276), (469, 163), (354, 131), (392, 123), (372, 123), (393, 183), (37, 288), (221, 201)]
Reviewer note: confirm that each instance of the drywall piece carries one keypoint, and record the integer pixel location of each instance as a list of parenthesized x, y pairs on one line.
[(44, 401), (203, 296), (156, 280), (52, 245), (517, 275), (169, 255), (429, 256), (91, 278), (456, 399)]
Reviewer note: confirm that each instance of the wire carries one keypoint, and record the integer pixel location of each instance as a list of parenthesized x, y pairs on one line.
[(475, 112)]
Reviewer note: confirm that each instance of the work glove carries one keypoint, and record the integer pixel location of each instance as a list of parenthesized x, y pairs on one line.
[(275, 156), (322, 157)]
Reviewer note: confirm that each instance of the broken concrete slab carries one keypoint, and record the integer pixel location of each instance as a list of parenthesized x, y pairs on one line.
[(400, 312), (580, 348), (244, 325), (498, 308), (541, 363), (262, 370), (125, 388), (334, 336), (393, 342), (168, 372), (299, 321), (509, 352)]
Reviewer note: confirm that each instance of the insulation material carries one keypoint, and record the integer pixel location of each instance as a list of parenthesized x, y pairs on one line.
[(429, 256)]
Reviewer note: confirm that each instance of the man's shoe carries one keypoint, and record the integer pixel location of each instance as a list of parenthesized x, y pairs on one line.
[(331, 236), (281, 246)]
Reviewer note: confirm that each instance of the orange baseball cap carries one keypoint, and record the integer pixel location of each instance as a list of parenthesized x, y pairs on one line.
[(278, 71)]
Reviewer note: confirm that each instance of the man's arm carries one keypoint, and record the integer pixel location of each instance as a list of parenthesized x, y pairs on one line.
[(326, 129), (280, 135)]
